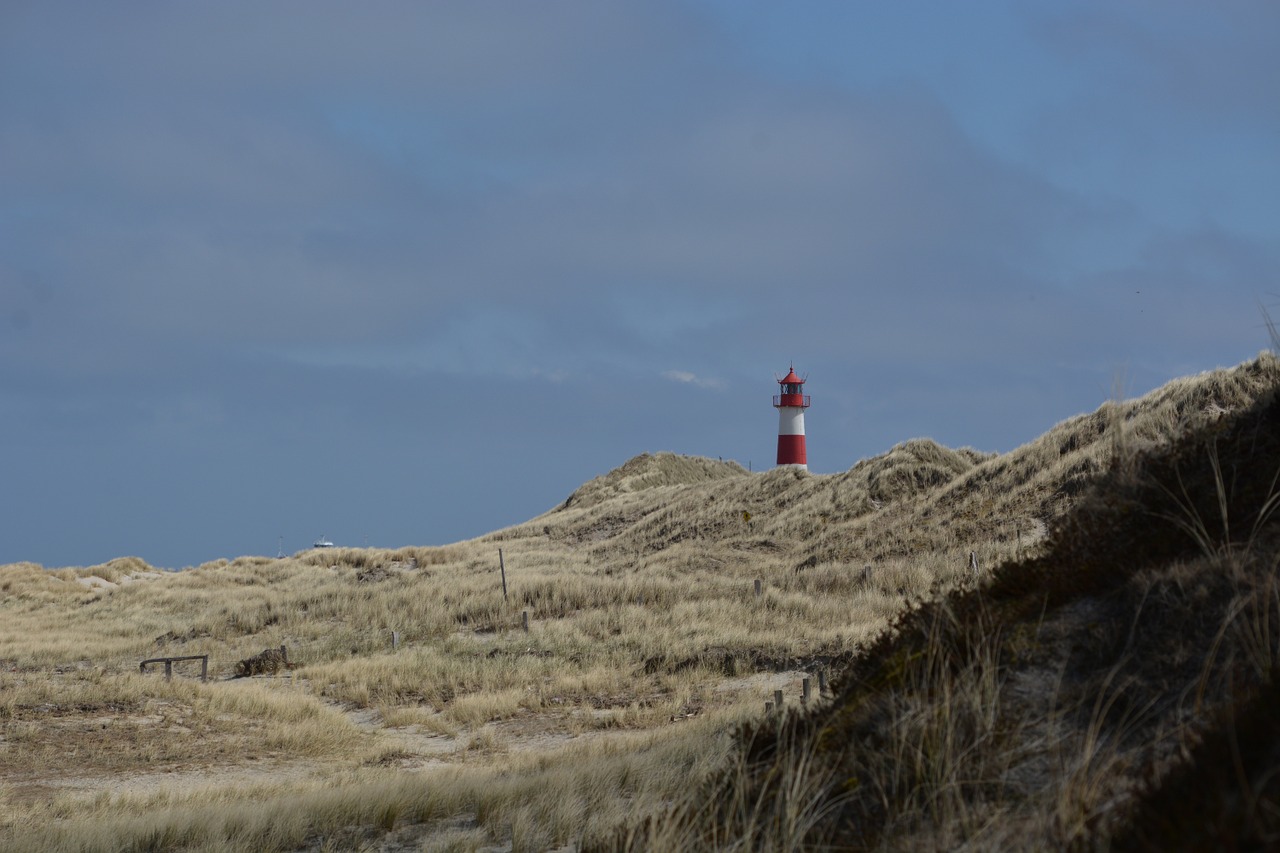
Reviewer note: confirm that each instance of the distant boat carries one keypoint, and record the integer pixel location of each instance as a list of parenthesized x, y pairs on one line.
[(322, 543)]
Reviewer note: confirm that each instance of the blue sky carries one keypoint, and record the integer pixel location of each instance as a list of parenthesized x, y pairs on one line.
[(406, 273)]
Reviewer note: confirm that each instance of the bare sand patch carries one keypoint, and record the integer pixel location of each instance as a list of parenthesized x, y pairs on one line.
[(95, 582)]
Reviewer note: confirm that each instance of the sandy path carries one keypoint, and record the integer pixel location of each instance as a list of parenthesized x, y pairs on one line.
[(408, 748), (185, 781)]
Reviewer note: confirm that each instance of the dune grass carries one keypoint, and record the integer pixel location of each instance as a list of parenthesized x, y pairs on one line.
[(1106, 693), (645, 637)]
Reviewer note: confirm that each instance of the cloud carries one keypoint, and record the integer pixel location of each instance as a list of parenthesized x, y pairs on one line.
[(685, 377), (267, 219)]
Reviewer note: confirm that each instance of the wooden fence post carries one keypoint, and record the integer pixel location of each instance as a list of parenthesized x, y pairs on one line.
[(777, 699), (503, 567), (822, 681), (395, 640), (973, 562), (804, 687), (759, 587), (524, 619)]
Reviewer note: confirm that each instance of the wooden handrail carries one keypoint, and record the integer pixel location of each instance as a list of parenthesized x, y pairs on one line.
[(168, 665)]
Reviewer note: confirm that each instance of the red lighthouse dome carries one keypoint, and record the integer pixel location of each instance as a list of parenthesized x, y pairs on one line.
[(791, 404)]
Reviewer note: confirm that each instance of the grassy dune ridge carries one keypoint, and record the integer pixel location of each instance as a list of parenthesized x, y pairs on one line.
[(1109, 692), (646, 666)]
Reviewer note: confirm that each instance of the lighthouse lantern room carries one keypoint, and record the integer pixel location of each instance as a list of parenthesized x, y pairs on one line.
[(791, 404)]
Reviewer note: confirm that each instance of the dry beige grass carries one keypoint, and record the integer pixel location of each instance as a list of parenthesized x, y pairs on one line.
[(1049, 708), (644, 632)]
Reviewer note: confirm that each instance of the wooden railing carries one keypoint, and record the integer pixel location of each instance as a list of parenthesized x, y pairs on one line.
[(168, 665)]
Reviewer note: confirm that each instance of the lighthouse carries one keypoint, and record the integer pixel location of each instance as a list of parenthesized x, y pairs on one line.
[(791, 404)]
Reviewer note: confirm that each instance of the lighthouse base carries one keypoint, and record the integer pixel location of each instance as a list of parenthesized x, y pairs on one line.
[(791, 438), (799, 466)]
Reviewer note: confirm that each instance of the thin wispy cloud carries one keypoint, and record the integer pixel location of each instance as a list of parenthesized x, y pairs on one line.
[(686, 377)]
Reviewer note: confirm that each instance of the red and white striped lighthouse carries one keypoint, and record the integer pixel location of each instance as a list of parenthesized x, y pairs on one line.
[(791, 404)]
